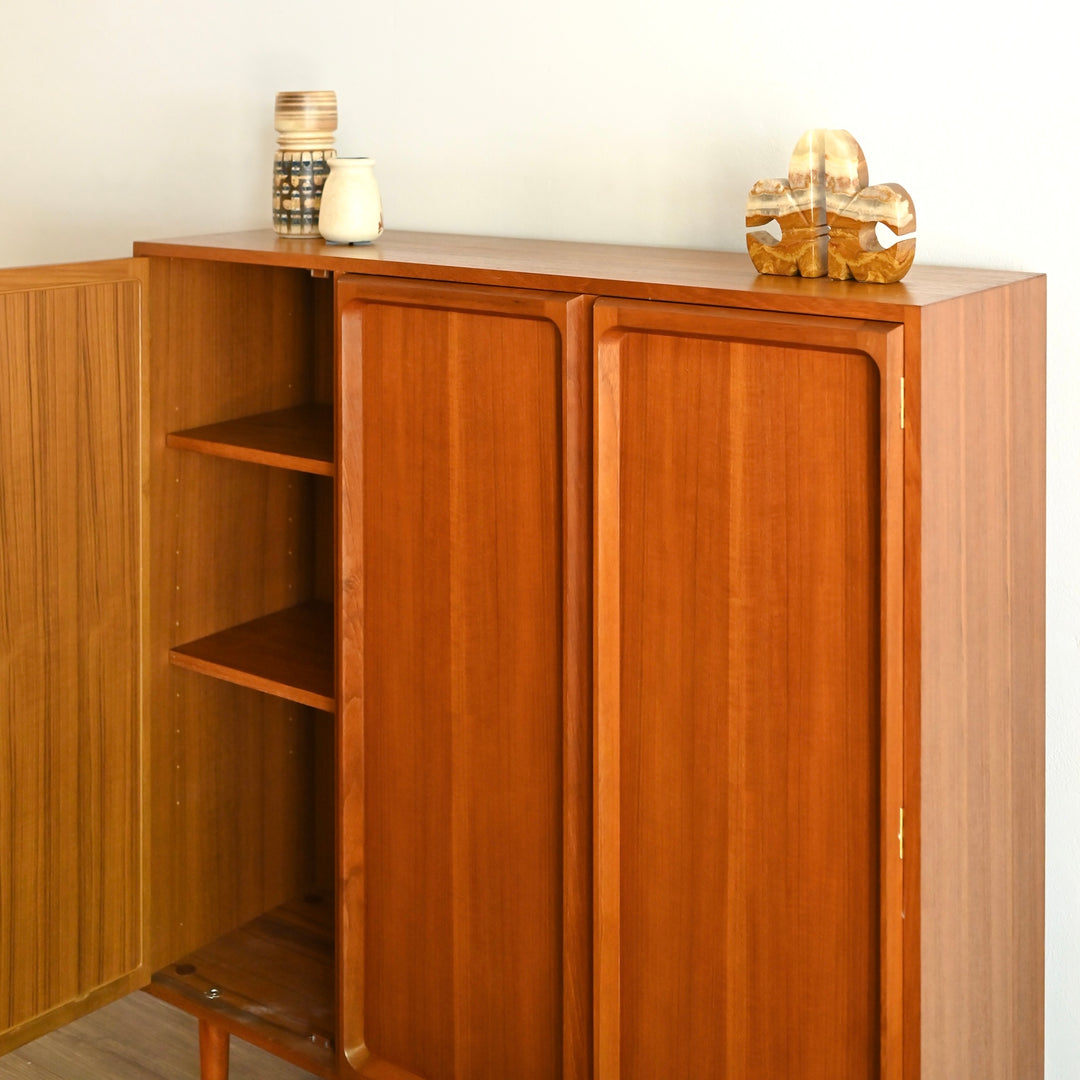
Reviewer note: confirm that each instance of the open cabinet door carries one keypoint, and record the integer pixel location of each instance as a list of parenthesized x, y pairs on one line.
[(72, 563)]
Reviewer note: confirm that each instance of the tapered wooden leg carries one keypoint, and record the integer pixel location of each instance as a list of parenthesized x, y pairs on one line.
[(213, 1052)]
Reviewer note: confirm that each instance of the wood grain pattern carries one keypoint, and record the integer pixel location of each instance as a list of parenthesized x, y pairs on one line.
[(72, 821), (138, 1037), (742, 715), (457, 711), (289, 654), (668, 274), (300, 438), (269, 982), (977, 648), (463, 749), (232, 771)]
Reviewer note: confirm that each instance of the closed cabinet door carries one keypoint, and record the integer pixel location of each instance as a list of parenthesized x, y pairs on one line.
[(72, 562), (464, 732), (748, 523)]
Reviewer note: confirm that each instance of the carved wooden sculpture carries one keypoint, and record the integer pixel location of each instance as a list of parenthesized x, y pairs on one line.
[(827, 214)]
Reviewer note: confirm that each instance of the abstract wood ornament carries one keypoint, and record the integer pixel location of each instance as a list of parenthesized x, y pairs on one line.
[(828, 213)]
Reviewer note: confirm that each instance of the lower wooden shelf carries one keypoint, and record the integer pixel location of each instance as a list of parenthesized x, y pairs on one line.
[(300, 438), (270, 982), (289, 654)]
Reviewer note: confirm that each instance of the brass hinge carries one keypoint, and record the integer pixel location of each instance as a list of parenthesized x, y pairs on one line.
[(901, 402), (901, 834)]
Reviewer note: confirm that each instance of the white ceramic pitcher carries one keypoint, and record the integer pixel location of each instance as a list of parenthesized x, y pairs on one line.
[(351, 210)]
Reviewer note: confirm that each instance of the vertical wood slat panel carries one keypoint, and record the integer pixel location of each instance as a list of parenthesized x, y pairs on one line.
[(71, 738), (739, 817), (472, 854)]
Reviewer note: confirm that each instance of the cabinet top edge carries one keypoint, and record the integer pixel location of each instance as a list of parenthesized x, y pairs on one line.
[(622, 271)]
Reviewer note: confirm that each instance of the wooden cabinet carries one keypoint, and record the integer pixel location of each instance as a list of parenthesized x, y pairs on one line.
[(483, 659)]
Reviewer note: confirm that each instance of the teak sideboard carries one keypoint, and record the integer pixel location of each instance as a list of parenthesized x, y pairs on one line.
[(477, 659)]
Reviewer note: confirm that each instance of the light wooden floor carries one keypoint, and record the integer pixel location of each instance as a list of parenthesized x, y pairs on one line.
[(136, 1038)]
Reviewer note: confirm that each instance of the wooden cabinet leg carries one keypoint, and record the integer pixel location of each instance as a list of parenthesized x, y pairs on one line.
[(213, 1052)]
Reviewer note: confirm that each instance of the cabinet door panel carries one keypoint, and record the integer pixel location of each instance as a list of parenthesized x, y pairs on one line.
[(71, 559), (464, 694), (748, 901)]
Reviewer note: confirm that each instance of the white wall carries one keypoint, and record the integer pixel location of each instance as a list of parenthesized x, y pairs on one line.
[(588, 119)]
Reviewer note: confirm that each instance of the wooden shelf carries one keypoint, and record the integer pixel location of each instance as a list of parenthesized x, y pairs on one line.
[(270, 982), (300, 438), (289, 654)]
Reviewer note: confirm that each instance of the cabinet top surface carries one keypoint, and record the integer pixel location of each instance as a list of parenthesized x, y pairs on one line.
[(672, 274)]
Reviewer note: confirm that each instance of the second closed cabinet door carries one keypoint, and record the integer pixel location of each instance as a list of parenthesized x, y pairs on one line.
[(748, 705), (464, 728)]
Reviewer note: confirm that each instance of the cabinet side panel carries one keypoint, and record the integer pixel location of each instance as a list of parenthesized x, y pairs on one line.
[(463, 690), (232, 769), (70, 651), (749, 717), (982, 423)]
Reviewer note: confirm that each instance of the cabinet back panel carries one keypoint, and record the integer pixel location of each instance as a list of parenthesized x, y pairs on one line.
[(232, 768), (71, 822), (462, 688), (749, 728)]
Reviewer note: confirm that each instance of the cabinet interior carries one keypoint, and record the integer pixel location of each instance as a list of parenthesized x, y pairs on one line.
[(242, 671)]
